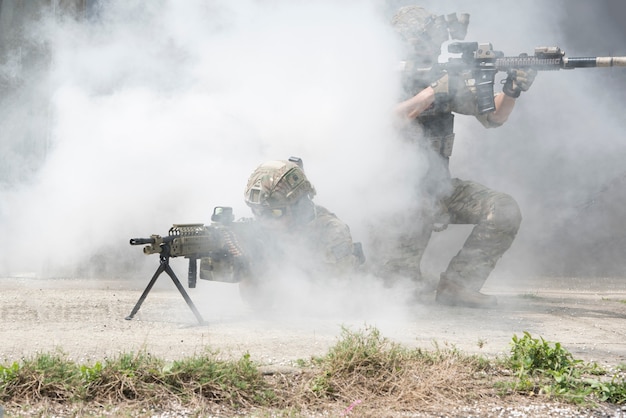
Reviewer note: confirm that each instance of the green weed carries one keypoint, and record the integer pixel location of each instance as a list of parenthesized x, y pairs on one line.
[(548, 368)]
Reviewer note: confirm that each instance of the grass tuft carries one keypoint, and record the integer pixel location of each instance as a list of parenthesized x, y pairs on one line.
[(363, 370)]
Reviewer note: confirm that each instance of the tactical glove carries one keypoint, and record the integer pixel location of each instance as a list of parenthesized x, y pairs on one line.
[(518, 81), (442, 89)]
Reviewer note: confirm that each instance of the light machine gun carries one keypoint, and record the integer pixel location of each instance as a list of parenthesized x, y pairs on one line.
[(484, 63), (218, 242)]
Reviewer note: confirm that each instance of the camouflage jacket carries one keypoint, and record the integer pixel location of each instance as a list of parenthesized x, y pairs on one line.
[(322, 247)]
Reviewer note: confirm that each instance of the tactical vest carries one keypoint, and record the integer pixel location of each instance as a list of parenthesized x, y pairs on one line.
[(435, 124), (438, 129)]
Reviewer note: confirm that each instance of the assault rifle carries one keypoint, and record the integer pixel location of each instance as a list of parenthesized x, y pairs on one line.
[(484, 63), (218, 242)]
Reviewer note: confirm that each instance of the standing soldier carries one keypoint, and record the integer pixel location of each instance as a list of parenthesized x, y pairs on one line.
[(427, 117)]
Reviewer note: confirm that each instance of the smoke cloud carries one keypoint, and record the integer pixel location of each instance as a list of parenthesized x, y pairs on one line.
[(153, 113), (159, 113), (560, 151)]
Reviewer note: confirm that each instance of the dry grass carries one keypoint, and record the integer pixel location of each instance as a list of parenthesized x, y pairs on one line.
[(365, 369), (363, 374)]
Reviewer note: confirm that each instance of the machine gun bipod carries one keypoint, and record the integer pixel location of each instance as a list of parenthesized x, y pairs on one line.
[(164, 266)]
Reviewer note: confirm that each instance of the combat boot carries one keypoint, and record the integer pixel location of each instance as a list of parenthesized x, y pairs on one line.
[(452, 294)]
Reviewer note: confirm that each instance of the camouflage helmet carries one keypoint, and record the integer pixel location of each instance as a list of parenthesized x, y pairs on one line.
[(276, 184), (415, 24)]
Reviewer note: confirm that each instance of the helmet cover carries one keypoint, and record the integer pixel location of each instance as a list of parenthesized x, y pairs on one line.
[(427, 31), (276, 184)]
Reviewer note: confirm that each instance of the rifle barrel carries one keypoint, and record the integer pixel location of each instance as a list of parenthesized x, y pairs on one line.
[(152, 240), (580, 62), (141, 241)]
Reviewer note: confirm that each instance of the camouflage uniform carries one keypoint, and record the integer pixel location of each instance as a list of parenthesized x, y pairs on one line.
[(330, 240), (447, 200), (298, 231), (289, 234), (320, 248), (496, 215)]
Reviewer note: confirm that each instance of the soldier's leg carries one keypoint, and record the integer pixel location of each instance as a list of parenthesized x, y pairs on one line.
[(398, 244), (497, 218)]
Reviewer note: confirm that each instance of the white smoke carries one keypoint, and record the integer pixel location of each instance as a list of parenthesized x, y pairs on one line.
[(156, 112), (561, 144)]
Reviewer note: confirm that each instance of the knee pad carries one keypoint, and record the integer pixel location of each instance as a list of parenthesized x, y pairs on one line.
[(505, 214)]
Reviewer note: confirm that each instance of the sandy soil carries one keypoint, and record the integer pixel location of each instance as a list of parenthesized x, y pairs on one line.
[(86, 320)]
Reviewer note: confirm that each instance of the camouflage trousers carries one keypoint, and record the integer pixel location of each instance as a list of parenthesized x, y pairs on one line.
[(496, 217)]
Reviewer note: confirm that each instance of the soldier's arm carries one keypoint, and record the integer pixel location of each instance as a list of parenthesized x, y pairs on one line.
[(517, 81), (504, 107), (414, 106), (411, 108), (336, 241)]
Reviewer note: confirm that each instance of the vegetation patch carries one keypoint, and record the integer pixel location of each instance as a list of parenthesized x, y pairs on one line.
[(547, 368), (363, 373), (365, 368)]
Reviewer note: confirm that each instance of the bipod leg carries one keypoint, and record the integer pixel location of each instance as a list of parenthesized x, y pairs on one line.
[(182, 291), (162, 267)]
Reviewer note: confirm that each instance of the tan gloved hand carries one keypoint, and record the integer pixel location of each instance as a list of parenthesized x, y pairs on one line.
[(517, 81), (441, 87)]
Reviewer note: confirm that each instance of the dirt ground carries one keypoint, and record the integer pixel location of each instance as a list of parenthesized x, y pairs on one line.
[(86, 320)]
